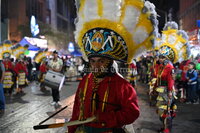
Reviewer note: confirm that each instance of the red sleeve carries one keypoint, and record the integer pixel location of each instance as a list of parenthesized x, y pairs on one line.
[(75, 113), (170, 79), (128, 112)]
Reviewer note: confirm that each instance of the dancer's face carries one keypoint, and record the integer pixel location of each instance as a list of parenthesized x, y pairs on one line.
[(99, 65)]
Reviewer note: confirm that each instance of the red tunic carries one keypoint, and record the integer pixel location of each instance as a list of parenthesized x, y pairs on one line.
[(20, 67), (155, 68), (43, 68), (121, 93), (166, 75), (8, 65), (184, 68)]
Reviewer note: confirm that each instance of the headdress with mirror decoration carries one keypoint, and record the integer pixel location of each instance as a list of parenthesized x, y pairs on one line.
[(175, 45), (118, 29)]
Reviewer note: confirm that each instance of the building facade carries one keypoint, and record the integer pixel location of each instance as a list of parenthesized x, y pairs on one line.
[(57, 15), (189, 13)]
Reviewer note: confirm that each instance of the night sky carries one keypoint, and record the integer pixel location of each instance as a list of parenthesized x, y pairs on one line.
[(165, 6)]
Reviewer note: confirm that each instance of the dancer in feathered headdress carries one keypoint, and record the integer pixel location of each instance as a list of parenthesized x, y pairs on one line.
[(20, 67), (174, 48), (6, 52), (41, 58), (108, 30), (175, 45)]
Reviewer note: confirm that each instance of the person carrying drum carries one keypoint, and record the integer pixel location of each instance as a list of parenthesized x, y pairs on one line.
[(105, 101), (55, 64)]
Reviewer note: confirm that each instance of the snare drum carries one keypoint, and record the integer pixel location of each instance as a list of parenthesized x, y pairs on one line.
[(54, 80)]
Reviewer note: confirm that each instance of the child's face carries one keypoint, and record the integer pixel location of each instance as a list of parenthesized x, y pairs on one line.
[(190, 66)]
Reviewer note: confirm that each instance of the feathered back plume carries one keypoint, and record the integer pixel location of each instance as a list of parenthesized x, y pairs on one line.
[(175, 43), (119, 29), (6, 49), (18, 50), (40, 56)]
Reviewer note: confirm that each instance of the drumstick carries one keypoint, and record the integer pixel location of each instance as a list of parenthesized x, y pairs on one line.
[(53, 115), (71, 123)]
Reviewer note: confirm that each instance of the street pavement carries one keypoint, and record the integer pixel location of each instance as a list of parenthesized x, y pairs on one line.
[(27, 110), (187, 120)]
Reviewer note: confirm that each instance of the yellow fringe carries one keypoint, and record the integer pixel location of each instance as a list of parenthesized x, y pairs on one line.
[(82, 2), (100, 7)]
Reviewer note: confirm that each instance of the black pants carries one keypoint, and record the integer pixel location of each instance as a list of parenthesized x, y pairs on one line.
[(55, 95)]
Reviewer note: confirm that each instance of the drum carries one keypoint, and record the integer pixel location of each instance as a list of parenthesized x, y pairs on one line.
[(54, 80)]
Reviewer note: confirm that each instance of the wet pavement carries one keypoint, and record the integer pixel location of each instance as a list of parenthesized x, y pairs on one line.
[(27, 110), (187, 120)]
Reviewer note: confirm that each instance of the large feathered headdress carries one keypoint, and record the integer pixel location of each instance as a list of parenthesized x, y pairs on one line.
[(6, 49), (174, 43), (18, 51), (40, 56), (119, 29)]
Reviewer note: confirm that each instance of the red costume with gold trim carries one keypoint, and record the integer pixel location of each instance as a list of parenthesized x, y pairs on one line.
[(21, 71), (20, 67), (8, 65), (8, 78), (119, 109), (165, 75)]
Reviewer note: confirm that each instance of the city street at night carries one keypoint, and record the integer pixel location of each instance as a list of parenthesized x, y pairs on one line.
[(100, 66), (27, 110)]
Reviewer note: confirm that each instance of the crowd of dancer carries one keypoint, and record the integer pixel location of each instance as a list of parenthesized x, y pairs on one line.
[(186, 76), (171, 73), (17, 70)]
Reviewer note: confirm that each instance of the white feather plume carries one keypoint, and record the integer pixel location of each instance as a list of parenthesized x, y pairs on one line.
[(171, 25)]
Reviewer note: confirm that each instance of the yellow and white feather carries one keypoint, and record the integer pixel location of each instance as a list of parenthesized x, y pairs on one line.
[(40, 56), (18, 51), (6, 49), (132, 20), (174, 43)]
